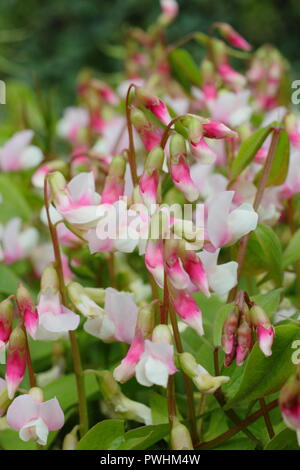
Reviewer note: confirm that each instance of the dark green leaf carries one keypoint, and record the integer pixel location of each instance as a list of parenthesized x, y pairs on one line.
[(106, 435)]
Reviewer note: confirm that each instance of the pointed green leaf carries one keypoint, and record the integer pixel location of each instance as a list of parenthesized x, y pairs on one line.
[(106, 435)]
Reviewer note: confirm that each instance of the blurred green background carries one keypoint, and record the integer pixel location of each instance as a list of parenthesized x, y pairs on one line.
[(49, 41)]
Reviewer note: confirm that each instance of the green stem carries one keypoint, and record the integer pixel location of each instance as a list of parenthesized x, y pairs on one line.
[(131, 150), (83, 414)]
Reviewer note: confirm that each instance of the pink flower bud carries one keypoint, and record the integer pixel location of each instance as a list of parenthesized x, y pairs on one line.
[(194, 268), (179, 168), (217, 130), (149, 181), (16, 360), (154, 104), (126, 369), (264, 329), (233, 37), (289, 402), (6, 321), (187, 309), (150, 134), (202, 152), (114, 184), (244, 341), (154, 260), (27, 310), (169, 9), (231, 77), (173, 266), (229, 331)]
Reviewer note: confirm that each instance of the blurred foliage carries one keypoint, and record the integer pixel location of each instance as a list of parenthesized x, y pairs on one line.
[(49, 42)]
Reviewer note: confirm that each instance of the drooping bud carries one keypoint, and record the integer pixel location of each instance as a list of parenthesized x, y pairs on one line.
[(169, 11), (146, 320), (173, 266), (230, 330), (70, 442), (231, 77), (37, 394), (217, 130), (150, 134), (232, 36), (27, 310), (154, 260), (162, 334), (149, 182), (6, 321), (154, 104), (201, 378), (83, 302), (264, 329), (289, 402), (114, 184), (209, 88), (49, 279), (202, 152), (185, 306), (244, 340), (179, 168), (58, 187), (16, 360), (97, 294), (193, 266), (180, 438)]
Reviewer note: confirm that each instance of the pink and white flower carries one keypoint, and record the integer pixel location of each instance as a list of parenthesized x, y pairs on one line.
[(221, 278), (225, 226), (156, 364), (16, 243), (74, 120), (18, 154), (34, 419)]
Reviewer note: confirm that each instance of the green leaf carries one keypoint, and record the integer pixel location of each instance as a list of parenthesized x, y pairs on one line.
[(106, 435), (64, 389), (264, 254), (281, 160), (292, 251), (144, 437), (9, 281), (184, 68), (159, 408), (285, 440), (221, 316), (13, 203), (9, 440), (265, 375), (269, 301), (248, 150)]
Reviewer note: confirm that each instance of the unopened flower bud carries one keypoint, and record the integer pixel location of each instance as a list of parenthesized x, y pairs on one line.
[(229, 330), (49, 279), (162, 333), (150, 134), (58, 186), (232, 36), (149, 181), (37, 394), (289, 402), (27, 310), (70, 442), (180, 438), (244, 341), (16, 360), (114, 184), (6, 320), (264, 329), (154, 104), (179, 168), (146, 320)]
